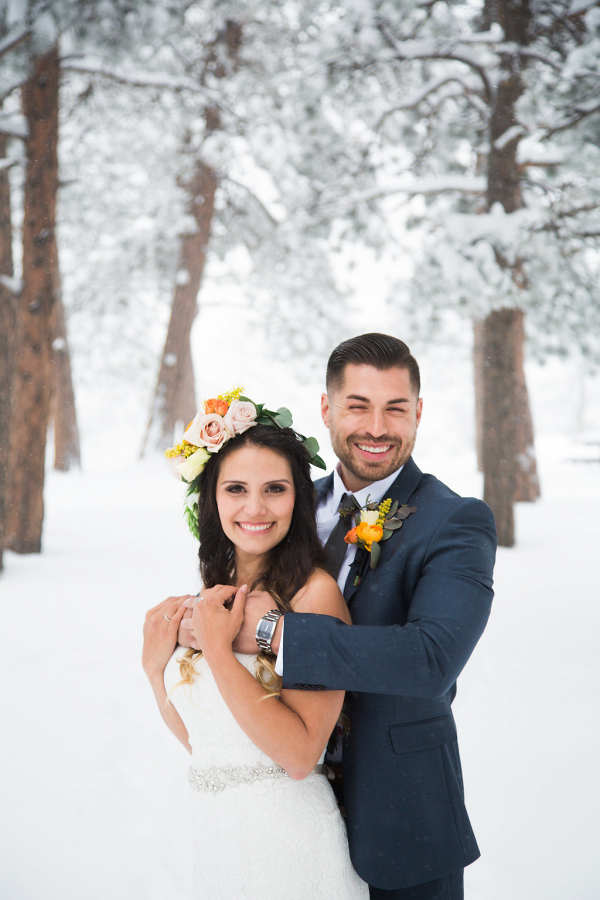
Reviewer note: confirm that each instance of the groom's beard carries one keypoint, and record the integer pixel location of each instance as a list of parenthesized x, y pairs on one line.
[(372, 470)]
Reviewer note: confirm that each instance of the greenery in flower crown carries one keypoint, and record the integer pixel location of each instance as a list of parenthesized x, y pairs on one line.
[(190, 457)]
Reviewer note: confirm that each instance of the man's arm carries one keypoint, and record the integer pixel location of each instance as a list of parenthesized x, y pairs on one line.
[(448, 612)]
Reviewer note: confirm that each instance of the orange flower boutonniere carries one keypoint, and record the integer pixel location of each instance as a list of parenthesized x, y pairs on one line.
[(375, 523)]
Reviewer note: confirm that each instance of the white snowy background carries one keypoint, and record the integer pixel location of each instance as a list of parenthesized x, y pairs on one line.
[(94, 792)]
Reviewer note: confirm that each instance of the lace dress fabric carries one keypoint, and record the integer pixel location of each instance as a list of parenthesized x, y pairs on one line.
[(257, 834)]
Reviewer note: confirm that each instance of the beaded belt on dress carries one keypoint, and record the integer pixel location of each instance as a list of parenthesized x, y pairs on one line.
[(218, 778)]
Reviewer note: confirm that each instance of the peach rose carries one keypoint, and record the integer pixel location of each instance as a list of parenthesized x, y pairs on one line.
[(210, 406), (368, 534), (210, 431), (351, 537), (240, 416)]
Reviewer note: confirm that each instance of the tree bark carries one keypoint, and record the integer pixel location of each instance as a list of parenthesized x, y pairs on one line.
[(478, 371), (175, 397), (527, 485), (33, 376), (501, 341), (66, 433), (8, 333)]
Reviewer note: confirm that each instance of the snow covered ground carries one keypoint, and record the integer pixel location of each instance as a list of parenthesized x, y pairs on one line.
[(93, 787)]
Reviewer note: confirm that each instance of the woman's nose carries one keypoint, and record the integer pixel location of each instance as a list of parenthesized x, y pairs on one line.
[(255, 504)]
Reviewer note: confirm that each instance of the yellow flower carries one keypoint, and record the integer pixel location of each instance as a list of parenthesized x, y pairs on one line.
[(230, 396), (384, 508), (369, 534)]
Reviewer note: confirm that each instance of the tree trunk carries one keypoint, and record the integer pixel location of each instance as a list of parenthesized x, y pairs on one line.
[(8, 330), (66, 432), (514, 446), (527, 485), (33, 376), (502, 337), (175, 396)]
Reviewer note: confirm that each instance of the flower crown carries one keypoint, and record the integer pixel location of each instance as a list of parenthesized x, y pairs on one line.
[(224, 418)]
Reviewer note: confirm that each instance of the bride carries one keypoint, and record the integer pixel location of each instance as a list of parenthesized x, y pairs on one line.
[(265, 820)]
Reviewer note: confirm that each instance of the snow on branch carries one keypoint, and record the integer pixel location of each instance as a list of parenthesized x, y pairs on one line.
[(443, 184), (511, 134), (14, 125), (135, 79), (413, 50), (14, 284), (13, 40), (430, 88)]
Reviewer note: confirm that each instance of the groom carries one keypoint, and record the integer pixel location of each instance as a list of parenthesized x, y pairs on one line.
[(416, 619)]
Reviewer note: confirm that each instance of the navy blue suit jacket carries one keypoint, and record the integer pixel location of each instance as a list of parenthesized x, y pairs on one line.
[(416, 619)]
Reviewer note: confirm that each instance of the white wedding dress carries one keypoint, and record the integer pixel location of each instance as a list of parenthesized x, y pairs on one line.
[(257, 834)]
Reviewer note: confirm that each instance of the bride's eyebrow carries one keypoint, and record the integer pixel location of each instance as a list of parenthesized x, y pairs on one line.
[(273, 481)]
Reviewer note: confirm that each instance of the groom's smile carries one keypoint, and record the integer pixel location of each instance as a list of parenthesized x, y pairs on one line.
[(372, 416)]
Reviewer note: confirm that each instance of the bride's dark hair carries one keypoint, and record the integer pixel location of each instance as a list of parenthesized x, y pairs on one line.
[(290, 563)]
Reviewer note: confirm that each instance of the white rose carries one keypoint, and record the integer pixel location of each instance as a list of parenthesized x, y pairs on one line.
[(369, 516), (193, 465), (240, 416)]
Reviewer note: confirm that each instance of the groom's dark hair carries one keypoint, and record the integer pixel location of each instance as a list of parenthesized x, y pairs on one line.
[(382, 351)]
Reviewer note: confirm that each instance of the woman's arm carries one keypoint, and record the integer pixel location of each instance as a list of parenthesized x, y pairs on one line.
[(294, 729), (160, 639)]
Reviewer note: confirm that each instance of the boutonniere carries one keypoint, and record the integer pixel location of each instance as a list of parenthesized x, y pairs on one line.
[(375, 523)]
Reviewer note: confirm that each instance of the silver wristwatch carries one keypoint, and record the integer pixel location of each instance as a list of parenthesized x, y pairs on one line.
[(266, 629)]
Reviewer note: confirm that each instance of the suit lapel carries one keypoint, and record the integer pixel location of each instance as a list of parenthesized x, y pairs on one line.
[(322, 488), (401, 490)]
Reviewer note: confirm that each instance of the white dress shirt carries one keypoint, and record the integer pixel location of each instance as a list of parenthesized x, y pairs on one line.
[(327, 518)]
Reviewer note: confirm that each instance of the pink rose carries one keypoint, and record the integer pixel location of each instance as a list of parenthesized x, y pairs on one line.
[(240, 416), (210, 431)]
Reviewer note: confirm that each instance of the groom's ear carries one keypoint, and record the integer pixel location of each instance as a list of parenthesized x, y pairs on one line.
[(325, 409)]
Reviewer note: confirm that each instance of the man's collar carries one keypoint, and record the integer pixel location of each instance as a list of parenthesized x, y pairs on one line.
[(375, 491)]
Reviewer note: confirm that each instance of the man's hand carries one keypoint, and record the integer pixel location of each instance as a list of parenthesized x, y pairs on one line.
[(258, 603)]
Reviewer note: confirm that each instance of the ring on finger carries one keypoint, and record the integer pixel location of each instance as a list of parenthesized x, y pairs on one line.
[(165, 616), (197, 599)]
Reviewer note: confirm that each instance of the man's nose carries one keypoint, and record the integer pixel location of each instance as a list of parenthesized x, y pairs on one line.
[(376, 423)]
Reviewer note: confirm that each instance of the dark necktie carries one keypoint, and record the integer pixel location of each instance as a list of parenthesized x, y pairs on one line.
[(336, 546)]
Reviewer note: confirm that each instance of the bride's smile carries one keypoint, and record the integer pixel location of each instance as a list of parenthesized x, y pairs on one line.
[(255, 498)]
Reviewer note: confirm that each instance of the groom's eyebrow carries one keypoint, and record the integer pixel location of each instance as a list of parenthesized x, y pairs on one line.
[(366, 399)]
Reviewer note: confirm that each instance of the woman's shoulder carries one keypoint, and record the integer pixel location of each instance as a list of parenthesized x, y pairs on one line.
[(321, 594)]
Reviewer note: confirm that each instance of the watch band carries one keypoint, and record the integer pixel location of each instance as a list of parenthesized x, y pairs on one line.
[(266, 629)]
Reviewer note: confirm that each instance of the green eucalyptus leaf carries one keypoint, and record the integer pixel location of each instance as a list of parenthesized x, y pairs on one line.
[(387, 533), (264, 420), (318, 462), (393, 524), (312, 446), (283, 417), (375, 554), (393, 508)]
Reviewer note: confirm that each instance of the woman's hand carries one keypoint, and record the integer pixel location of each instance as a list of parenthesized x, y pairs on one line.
[(216, 619), (160, 634)]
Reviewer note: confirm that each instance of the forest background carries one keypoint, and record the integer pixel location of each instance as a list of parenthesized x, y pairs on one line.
[(194, 195)]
